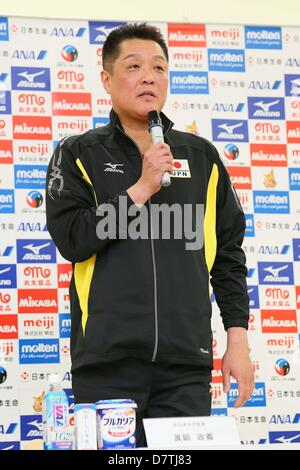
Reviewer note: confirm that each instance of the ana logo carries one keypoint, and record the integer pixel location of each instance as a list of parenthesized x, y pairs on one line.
[(282, 367), (34, 199), (65, 32), (189, 82), (226, 60), (71, 104), (275, 202), (99, 30), (3, 28), (253, 296), (3, 375), (34, 351), (229, 130), (228, 107), (292, 85), (69, 53), (32, 227), (273, 250), (30, 176), (8, 276), (264, 85), (268, 155), (112, 167), (186, 35), (28, 54), (279, 321), (258, 397), (275, 273), (266, 108), (263, 37), (30, 78), (36, 251), (32, 127), (231, 151)]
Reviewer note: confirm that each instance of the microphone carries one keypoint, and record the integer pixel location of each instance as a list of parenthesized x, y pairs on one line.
[(155, 128)]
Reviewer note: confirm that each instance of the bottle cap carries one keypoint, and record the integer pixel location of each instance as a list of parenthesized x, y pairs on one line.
[(54, 379)]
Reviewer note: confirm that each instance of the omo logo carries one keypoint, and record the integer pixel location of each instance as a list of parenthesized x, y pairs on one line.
[(99, 30)]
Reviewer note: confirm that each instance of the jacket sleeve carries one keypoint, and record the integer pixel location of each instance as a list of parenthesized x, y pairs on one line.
[(71, 208), (228, 274)]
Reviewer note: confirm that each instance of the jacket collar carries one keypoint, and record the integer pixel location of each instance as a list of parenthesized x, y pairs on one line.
[(116, 123)]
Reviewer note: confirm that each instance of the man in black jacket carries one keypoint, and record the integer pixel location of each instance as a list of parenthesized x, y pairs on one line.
[(141, 312)]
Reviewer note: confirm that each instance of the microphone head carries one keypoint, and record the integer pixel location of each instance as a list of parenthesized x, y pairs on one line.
[(154, 119)]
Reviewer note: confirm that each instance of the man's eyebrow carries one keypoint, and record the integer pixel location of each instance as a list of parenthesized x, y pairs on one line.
[(138, 56)]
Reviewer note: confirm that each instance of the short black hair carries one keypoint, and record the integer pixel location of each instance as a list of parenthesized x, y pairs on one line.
[(111, 46)]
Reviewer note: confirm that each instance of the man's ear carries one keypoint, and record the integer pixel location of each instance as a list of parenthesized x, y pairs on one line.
[(106, 81)]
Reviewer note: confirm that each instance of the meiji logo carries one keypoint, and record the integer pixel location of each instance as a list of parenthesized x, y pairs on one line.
[(279, 321), (264, 85), (228, 107), (37, 301), (286, 342), (294, 179), (64, 272), (31, 427), (293, 132), (258, 397), (263, 37), (292, 85), (268, 154), (112, 167), (45, 323), (194, 56), (229, 130), (266, 108), (284, 437), (189, 82), (8, 327), (6, 152), (39, 148), (226, 60), (8, 276), (66, 32), (36, 251), (275, 273), (231, 33), (32, 127), (99, 31), (71, 104), (250, 230), (276, 202), (3, 28), (75, 124), (30, 176), (39, 351), (240, 177), (253, 296), (28, 54), (186, 35), (30, 78)]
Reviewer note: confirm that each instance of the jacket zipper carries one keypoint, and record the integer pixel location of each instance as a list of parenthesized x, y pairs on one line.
[(154, 268)]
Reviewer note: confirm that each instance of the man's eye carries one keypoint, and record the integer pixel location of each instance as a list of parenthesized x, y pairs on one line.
[(159, 67), (133, 66)]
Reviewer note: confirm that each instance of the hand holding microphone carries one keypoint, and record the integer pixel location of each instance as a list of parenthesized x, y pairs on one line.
[(155, 128)]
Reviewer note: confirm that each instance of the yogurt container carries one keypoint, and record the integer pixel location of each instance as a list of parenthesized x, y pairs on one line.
[(116, 424)]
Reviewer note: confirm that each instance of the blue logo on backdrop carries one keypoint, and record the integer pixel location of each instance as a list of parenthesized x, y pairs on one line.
[(292, 85), (10, 445), (3, 28), (250, 229), (258, 397), (31, 427), (275, 273), (100, 30), (225, 130), (189, 82), (253, 296), (36, 251), (264, 85), (29, 54), (296, 249), (30, 176), (64, 325), (67, 32), (275, 202), (5, 102), (284, 437), (8, 276), (266, 108), (219, 412), (226, 60), (263, 37), (7, 201), (100, 121), (30, 78), (294, 179), (34, 351)]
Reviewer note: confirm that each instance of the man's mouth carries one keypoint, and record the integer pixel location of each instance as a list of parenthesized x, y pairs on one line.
[(147, 93)]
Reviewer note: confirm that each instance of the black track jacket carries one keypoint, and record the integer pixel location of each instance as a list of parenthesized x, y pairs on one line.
[(146, 297)]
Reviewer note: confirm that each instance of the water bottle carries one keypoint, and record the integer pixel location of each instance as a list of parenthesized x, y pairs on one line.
[(57, 434)]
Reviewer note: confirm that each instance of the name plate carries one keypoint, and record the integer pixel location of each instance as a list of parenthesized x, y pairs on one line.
[(191, 432)]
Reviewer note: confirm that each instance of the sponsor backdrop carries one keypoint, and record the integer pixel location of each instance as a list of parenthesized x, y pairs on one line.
[(238, 86)]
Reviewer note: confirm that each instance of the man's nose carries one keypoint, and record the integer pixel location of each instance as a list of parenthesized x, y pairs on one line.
[(148, 75)]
